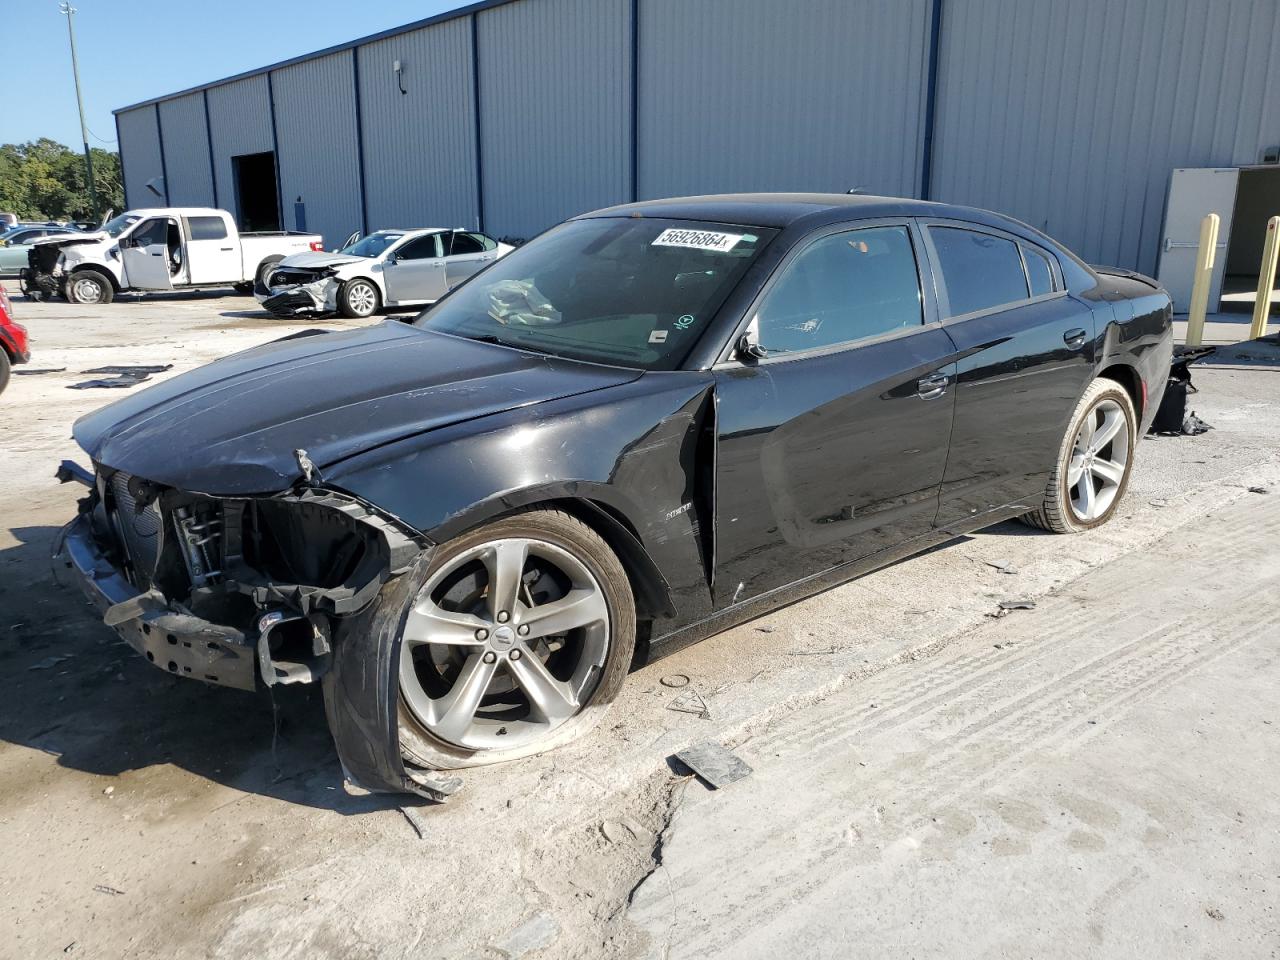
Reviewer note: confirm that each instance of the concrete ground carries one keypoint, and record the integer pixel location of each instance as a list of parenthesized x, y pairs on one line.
[(1091, 777)]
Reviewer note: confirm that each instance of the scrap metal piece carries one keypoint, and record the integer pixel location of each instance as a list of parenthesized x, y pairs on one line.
[(690, 702), (1017, 604), (123, 381), (131, 370), (715, 765)]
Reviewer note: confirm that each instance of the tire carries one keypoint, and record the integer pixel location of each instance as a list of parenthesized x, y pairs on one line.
[(4, 370), (359, 299), (450, 597), (89, 286), (260, 275), (1071, 507)]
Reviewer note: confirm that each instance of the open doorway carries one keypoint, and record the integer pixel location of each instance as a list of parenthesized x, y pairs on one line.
[(1257, 201), (257, 197)]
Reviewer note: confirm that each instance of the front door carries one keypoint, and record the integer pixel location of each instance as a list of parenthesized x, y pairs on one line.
[(468, 254), (145, 255), (212, 255), (833, 446), (1193, 193), (414, 272), (1026, 351)]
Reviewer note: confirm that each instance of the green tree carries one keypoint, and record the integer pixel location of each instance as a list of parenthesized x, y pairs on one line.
[(45, 180)]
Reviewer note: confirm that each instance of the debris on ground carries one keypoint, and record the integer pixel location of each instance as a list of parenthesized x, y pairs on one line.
[(1259, 490), (37, 372), (1008, 605), (714, 765), (123, 381), (675, 680), (49, 662), (131, 370), (415, 820), (1214, 913), (1004, 566), (1193, 425), (766, 629), (110, 891), (690, 702)]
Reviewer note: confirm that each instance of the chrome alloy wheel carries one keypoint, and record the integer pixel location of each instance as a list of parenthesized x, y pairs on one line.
[(362, 298), (1099, 460), (503, 644), (86, 290)]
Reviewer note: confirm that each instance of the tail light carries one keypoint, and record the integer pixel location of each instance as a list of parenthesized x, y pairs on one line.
[(317, 246)]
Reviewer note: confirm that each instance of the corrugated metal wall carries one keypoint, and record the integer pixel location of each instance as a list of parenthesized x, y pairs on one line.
[(758, 95), (186, 151), (316, 144), (419, 146), (1071, 116), (554, 110), (140, 153), (240, 123)]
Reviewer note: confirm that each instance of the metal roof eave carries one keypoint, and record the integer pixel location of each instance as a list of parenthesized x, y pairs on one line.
[(469, 9)]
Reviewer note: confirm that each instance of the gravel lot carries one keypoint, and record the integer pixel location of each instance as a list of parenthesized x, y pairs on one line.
[(1091, 777)]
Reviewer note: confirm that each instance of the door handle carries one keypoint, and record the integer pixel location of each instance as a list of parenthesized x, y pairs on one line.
[(157, 254), (932, 386), (1074, 338), (226, 249)]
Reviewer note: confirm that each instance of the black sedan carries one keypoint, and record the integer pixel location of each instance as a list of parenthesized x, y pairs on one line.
[(650, 423)]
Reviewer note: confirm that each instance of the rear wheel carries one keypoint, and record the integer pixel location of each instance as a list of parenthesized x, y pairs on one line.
[(516, 640), (1094, 462), (358, 299), (89, 286)]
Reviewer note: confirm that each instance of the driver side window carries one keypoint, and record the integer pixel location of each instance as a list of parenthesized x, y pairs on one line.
[(150, 233), (843, 288)]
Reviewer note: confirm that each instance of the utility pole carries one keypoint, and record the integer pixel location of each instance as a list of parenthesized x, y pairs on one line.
[(70, 11)]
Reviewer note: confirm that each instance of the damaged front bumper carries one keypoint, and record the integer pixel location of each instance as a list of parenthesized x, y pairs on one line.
[(292, 293), (253, 592)]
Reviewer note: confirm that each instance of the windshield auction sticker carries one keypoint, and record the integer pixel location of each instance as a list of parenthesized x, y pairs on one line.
[(697, 239)]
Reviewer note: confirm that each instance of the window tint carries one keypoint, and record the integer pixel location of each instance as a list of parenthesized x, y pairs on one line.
[(150, 233), (488, 243), (464, 243), (207, 228), (1038, 271), (843, 288), (979, 270), (423, 248)]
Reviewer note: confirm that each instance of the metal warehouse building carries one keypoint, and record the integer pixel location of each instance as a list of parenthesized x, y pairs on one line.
[(511, 115)]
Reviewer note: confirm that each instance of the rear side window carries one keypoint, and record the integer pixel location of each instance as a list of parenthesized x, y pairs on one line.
[(464, 243), (1039, 273), (980, 271), (843, 288), (207, 228)]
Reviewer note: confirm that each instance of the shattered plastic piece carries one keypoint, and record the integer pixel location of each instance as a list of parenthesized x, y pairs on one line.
[(131, 370), (1004, 566), (690, 702), (123, 381), (716, 766), (110, 891), (36, 373), (675, 680), (1017, 604), (415, 820), (1259, 490), (1193, 425)]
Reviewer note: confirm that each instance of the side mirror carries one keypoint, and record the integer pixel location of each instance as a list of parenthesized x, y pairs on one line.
[(391, 259), (747, 348)]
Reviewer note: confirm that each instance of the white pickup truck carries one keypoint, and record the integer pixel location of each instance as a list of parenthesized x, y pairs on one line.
[(166, 248)]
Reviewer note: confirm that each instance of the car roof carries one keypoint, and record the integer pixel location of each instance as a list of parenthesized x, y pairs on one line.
[(783, 209)]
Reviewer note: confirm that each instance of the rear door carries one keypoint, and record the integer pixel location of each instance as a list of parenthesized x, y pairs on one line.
[(415, 271), (833, 446), (1026, 354), (468, 254), (145, 256), (1194, 193), (212, 256)]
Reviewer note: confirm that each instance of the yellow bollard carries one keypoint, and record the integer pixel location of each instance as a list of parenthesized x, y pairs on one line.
[(1266, 280), (1204, 277)]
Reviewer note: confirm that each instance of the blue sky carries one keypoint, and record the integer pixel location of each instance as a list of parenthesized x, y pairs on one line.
[(133, 50)]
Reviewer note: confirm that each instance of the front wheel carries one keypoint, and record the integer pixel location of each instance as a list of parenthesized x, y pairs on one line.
[(515, 640), (1094, 462), (358, 299), (89, 286)]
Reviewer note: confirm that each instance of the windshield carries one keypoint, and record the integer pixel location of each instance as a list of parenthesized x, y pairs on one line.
[(633, 292), (372, 245), (118, 225)]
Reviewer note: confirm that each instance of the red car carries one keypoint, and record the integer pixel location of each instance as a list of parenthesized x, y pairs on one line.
[(13, 340)]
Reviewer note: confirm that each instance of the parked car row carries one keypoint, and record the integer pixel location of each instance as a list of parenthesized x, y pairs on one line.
[(648, 424)]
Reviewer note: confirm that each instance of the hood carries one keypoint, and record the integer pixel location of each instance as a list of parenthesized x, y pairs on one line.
[(70, 238), (230, 428), (312, 261)]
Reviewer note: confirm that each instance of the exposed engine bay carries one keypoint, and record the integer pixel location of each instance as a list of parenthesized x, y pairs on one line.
[(296, 290)]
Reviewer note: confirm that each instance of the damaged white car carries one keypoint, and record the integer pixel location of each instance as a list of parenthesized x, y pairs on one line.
[(389, 268)]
